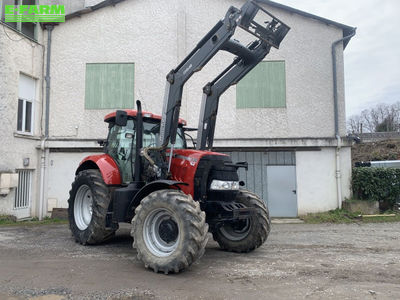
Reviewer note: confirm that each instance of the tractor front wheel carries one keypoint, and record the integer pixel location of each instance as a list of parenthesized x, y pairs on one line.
[(169, 231), (88, 204), (247, 234)]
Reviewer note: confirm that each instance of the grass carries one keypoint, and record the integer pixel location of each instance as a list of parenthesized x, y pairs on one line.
[(344, 216), (6, 220)]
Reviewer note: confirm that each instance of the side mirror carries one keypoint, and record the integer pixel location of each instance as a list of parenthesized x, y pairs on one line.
[(121, 118)]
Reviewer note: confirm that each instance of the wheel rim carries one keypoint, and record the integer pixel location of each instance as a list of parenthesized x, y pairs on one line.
[(83, 207), (161, 232), (237, 230)]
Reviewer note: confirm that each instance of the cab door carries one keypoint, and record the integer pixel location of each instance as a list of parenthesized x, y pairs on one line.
[(121, 147)]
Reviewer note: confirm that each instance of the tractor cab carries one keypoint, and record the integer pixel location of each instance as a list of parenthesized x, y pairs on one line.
[(121, 139)]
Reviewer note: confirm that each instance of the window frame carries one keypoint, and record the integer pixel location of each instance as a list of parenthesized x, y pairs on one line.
[(33, 106), (23, 123), (18, 27)]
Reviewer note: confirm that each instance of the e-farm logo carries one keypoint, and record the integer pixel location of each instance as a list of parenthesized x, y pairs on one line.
[(34, 13)]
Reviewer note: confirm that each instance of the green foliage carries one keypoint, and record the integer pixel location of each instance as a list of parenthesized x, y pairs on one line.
[(8, 220), (332, 216), (377, 184), (4, 219), (344, 216)]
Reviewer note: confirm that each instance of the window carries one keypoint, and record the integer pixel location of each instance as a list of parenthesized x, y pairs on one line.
[(27, 28), (23, 191), (26, 99), (151, 134), (109, 85), (263, 87), (120, 147)]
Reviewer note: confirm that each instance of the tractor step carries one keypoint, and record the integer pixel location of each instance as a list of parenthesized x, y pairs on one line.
[(221, 211)]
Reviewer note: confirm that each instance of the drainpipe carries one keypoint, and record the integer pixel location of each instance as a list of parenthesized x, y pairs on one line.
[(42, 171), (44, 152), (336, 115), (46, 128)]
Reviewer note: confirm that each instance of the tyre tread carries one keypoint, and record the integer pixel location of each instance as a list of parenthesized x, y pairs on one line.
[(96, 232), (259, 232), (191, 249)]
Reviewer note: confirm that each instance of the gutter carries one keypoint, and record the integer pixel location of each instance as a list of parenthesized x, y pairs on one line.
[(44, 152), (92, 8), (346, 28), (336, 115)]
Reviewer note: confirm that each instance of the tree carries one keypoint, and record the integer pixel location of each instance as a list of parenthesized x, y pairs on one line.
[(381, 118)]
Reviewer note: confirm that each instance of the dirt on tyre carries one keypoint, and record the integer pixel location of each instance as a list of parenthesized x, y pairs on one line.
[(169, 231), (248, 234), (89, 199)]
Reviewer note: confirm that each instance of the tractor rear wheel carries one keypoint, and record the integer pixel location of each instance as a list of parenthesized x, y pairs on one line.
[(247, 234), (169, 231), (89, 199)]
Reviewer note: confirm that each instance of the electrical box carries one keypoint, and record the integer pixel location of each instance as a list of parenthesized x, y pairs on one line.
[(8, 181)]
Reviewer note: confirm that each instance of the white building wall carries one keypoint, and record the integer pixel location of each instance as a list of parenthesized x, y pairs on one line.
[(156, 35), (143, 32), (316, 179), (62, 167), (345, 167), (306, 51), (19, 55)]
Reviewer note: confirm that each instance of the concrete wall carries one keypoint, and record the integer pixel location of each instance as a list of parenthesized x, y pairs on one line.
[(128, 32), (18, 55), (62, 167), (316, 179)]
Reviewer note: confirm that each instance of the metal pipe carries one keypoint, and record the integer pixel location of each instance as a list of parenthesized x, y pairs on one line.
[(42, 171), (336, 118), (139, 142), (47, 78), (44, 153), (171, 156), (338, 174), (334, 70)]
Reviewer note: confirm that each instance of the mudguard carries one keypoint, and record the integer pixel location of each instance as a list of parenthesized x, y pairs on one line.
[(149, 188), (107, 166)]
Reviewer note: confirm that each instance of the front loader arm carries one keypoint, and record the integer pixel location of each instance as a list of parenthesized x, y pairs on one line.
[(197, 59), (219, 38), (272, 35), (213, 90)]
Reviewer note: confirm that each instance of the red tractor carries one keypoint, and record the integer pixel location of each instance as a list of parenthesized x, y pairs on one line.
[(172, 195)]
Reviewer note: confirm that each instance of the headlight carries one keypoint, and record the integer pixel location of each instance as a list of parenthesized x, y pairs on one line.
[(220, 185)]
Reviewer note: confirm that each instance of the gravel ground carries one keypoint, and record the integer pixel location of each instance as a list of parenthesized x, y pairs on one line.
[(299, 261)]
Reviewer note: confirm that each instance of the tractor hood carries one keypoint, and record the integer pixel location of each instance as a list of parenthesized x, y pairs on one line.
[(185, 165)]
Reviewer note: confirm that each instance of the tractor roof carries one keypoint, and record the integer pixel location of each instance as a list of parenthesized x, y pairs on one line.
[(132, 113)]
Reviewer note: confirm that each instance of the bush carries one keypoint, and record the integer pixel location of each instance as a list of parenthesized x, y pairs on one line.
[(377, 184)]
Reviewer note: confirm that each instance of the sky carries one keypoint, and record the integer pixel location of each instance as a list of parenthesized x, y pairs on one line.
[(372, 57)]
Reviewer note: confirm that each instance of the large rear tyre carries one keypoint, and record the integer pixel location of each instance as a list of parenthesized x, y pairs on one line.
[(89, 199), (248, 234), (169, 231)]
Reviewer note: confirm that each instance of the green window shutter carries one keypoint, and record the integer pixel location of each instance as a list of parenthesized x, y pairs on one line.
[(109, 85), (263, 87)]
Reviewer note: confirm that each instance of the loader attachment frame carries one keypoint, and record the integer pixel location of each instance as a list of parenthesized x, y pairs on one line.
[(219, 38)]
